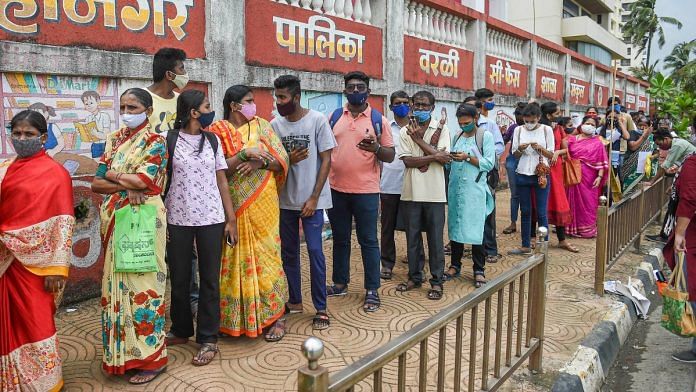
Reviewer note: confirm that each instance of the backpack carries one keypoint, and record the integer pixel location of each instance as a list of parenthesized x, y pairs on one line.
[(375, 117), (172, 138)]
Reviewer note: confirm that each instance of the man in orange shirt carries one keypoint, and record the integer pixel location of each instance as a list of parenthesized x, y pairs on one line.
[(354, 180)]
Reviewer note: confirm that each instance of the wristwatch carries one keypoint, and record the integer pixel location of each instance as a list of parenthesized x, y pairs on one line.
[(468, 158)]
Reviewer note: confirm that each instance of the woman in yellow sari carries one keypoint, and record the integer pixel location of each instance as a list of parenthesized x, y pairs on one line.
[(132, 172), (253, 287)]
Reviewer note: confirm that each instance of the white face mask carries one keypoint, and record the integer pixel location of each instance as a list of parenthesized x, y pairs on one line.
[(181, 81), (587, 129), (133, 121), (530, 126)]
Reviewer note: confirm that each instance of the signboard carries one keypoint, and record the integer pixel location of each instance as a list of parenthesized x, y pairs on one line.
[(642, 103), (601, 95), (580, 92), (506, 77), (120, 25), (549, 85), (292, 37), (434, 64), (630, 102)]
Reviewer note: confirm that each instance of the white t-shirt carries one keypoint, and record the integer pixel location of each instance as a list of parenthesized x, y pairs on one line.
[(392, 180), (542, 135)]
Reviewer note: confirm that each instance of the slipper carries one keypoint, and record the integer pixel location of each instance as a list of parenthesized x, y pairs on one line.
[(320, 321), (569, 248), (201, 359), (435, 294), (294, 308), (480, 281), (148, 374), (335, 291), (273, 335), (372, 302), (408, 286), (386, 274), (491, 259), (447, 276), (510, 230)]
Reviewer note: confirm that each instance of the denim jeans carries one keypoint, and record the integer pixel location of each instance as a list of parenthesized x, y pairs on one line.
[(365, 209), (511, 166), (525, 186)]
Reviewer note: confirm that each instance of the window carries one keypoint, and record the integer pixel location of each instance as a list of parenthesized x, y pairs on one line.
[(628, 51), (626, 62), (599, 19), (627, 41), (570, 9), (625, 18), (626, 6)]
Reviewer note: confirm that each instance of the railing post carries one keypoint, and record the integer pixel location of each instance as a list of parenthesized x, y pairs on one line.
[(662, 199), (601, 245), (641, 213), (312, 378), (537, 282)]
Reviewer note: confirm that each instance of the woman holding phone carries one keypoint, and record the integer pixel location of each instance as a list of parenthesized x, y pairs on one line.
[(200, 213)]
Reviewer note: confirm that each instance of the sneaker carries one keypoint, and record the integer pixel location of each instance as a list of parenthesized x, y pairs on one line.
[(685, 356)]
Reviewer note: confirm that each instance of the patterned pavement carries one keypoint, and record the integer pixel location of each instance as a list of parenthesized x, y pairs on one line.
[(255, 365)]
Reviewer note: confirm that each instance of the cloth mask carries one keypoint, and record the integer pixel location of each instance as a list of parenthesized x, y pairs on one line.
[(467, 128), (489, 105), (588, 129), (401, 110), (357, 98), (248, 110), (27, 147), (133, 121), (422, 115), (206, 119), (180, 80), (286, 109), (570, 130)]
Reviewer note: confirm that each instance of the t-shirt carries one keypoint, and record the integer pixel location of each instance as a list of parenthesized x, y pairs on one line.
[(163, 113), (529, 159), (426, 186), (678, 152), (392, 180), (354, 170), (194, 198), (314, 130), (491, 127)]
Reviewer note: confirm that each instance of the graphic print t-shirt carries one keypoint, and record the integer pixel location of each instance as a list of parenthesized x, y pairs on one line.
[(164, 112), (313, 131)]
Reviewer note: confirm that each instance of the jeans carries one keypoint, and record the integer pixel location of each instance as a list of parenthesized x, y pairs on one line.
[(431, 217), (390, 210), (365, 209), (290, 253), (511, 166), (525, 186), (208, 241), (477, 254)]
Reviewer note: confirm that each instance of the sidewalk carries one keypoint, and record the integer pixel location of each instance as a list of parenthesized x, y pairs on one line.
[(254, 365)]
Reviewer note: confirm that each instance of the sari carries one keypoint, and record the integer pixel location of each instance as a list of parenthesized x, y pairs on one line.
[(253, 286), (36, 226), (583, 198), (132, 304), (558, 210), (629, 167)]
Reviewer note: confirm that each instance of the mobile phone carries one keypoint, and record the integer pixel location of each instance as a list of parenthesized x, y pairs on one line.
[(229, 241), (301, 144)]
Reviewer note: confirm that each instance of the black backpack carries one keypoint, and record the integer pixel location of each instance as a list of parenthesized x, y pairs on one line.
[(172, 138)]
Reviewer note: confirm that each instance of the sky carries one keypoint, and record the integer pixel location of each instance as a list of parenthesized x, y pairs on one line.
[(682, 10)]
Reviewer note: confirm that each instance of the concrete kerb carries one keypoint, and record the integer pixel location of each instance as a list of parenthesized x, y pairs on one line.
[(590, 364)]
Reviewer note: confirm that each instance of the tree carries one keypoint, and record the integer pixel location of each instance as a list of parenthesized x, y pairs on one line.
[(679, 58), (644, 22), (644, 72)]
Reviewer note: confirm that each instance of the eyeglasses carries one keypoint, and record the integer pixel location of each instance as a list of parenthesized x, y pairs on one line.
[(360, 87)]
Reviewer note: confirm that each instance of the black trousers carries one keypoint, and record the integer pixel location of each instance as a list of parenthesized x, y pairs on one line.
[(477, 253), (388, 217), (431, 218), (490, 243), (209, 248)]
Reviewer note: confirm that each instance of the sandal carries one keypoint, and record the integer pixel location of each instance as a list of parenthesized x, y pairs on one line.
[(146, 376), (203, 358), (480, 281), (173, 340), (408, 286), (510, 229), (491, 259), (372, 302), (569, 248), (447, 276), (335, 291), (294, 308), (320, 321), (448, 250), (435, 294), (277, 331), (386, 274)]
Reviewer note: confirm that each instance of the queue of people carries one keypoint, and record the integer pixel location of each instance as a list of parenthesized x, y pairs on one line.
[(228, 197)]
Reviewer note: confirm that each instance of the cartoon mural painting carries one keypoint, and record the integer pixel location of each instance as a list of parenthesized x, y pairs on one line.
[(97, 125)]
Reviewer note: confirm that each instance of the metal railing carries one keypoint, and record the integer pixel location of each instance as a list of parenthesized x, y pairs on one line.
[(623, 224), (517, 323)]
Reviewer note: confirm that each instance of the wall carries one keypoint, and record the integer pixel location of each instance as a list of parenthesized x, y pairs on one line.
[(72, 59)]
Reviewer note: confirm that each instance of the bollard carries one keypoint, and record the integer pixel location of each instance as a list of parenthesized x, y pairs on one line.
[(601, 245), (312, 378)]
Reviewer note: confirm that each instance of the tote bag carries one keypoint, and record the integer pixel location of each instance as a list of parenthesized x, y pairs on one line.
[(677, 313), (134, 239)]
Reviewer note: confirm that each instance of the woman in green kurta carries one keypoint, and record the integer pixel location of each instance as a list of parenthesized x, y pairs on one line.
[(470, 200)]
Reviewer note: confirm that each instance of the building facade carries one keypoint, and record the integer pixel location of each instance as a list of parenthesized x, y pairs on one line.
[(633, 58)]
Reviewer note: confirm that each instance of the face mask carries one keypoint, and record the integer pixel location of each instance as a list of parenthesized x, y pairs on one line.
[(587, 129), (617, 108), (206, 119), (133, 121), (530, 126), (422, 115), (248, 110), (489, 105), (357, 98), (640, 131), (180, 80), (400, 110), (570, 130), (467, 128), (27, 147), (286, 109)]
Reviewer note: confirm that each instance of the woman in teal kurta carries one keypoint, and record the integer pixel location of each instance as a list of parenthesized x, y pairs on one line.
[(470, 200)]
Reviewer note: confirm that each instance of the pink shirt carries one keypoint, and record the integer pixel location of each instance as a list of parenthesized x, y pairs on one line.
[(352, 169)]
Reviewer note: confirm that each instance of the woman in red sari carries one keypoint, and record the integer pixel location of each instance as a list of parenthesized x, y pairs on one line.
[(36, 225)]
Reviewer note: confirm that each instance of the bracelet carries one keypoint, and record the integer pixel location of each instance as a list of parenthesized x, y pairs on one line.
[(243, 156), (118, 177), (265, 164), (377, 151)]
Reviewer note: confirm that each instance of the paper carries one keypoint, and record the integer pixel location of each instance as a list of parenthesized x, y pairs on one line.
[(642, 157), (641, 303)]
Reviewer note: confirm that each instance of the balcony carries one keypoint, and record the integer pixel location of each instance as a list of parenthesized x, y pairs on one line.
[(597, 6), (584, 29)]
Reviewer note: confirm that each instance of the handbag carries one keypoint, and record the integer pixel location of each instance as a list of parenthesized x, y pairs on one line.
[(677, 313), (134, 239), (542, 170), (572, 172)]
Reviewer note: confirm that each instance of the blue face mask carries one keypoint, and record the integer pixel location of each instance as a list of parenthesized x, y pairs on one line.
[(617, 108), (489, 105), (400, 110), (206, 119), (422, 115), (357, 98), (467, 128)]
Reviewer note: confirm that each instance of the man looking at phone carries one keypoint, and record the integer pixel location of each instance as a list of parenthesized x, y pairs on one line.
[(354, 179), (309, 141), (424, 148)]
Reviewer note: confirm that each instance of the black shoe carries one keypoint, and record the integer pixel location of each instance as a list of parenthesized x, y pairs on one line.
[(656, 238), (685, 356)]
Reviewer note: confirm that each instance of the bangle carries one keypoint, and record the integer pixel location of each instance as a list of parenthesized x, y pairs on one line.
[(377, 151), (243, 156), (265, 164), (118, 177)]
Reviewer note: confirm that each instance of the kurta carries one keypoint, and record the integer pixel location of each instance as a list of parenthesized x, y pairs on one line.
[(465, 217)]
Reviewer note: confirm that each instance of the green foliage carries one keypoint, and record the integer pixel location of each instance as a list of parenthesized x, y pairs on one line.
[(674, 101)]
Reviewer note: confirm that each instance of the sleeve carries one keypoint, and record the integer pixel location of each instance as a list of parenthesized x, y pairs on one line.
[(515, 140), (487, 162), (220, 162), (445, 141), (387, 139), (405, 144), (325, 138), (630, 125), (550, 141), (155, 165), (498, 137)]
